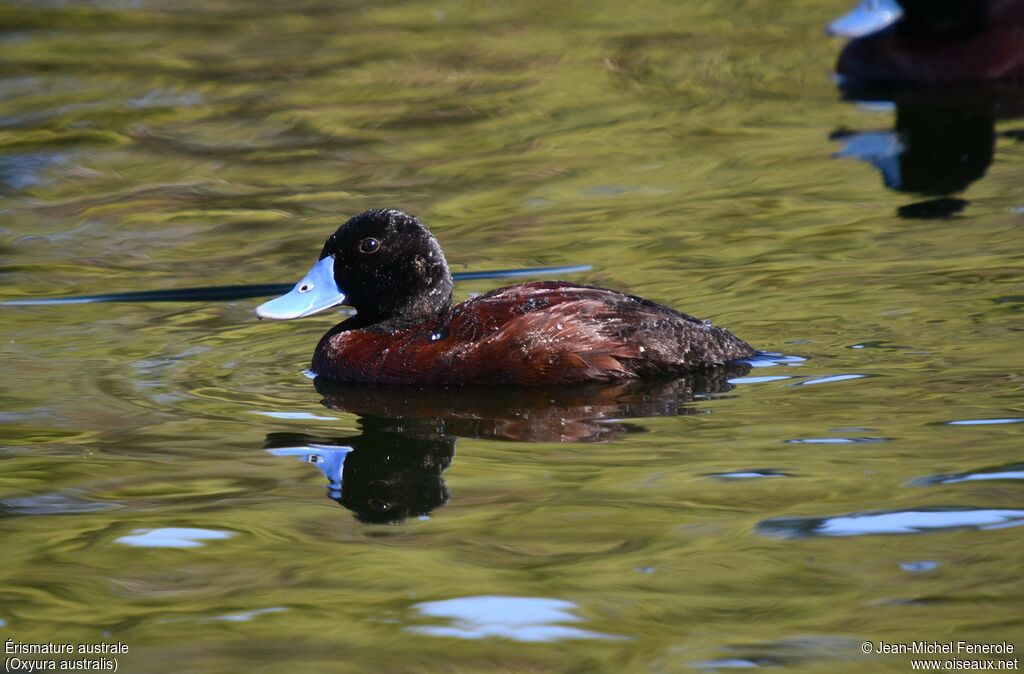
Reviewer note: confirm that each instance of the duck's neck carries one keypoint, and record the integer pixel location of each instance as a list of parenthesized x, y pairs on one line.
[(430, 302), (946, 18)]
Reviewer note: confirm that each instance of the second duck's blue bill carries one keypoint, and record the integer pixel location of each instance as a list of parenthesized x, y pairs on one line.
[(867, 18)]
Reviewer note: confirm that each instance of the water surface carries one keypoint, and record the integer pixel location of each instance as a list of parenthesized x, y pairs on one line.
[(173, 481)]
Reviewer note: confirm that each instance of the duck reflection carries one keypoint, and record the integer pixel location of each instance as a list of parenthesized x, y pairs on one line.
[(393, 468), (389, 472), (944, 139)]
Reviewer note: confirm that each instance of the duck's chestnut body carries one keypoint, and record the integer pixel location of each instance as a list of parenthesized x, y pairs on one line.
[(536, 333), (937, 41), (406, 330)]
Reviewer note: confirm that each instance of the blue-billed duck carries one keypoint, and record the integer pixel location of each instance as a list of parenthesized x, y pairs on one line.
[(390, 268)]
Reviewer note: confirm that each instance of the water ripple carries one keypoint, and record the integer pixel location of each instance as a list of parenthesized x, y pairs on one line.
[(758, 380), (54, 504), (246, 616), (748, 474), (985, 422), (892, 522), (304, 416), (834, 441), (729, 663), (919, 566), (1010, 472), (172, 537), (530, 619), (772, 359), (829, 379)]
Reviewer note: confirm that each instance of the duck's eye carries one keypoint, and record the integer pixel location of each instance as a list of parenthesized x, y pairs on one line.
[(369, 245)]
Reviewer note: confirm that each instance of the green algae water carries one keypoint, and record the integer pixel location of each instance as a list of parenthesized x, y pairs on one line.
[(173, 482)]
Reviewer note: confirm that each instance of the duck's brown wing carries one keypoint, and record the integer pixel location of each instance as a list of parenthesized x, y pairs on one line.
[(569, 333)]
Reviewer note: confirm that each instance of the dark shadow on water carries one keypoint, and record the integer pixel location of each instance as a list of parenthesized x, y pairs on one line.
[(933, 209), (393, 468), (943, 140), (238, 292)]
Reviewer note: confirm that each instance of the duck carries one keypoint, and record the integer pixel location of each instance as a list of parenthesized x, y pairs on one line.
[(932, 42), (390, 268)]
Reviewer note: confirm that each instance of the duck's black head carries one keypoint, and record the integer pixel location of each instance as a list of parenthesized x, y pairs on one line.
[(389, 265), (945, 18), (384, 263)]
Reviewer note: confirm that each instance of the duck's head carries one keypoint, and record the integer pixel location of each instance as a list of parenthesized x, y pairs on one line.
[(383, 262), (943, 18)]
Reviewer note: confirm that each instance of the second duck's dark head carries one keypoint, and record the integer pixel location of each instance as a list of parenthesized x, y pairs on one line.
[(383, 262), (951, 19), (939, 19)]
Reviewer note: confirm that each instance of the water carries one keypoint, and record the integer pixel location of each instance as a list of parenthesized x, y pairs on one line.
[(174, 482)]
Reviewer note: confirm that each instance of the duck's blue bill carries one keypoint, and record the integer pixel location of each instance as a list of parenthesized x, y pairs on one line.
[(315, 292), (867, 18)]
